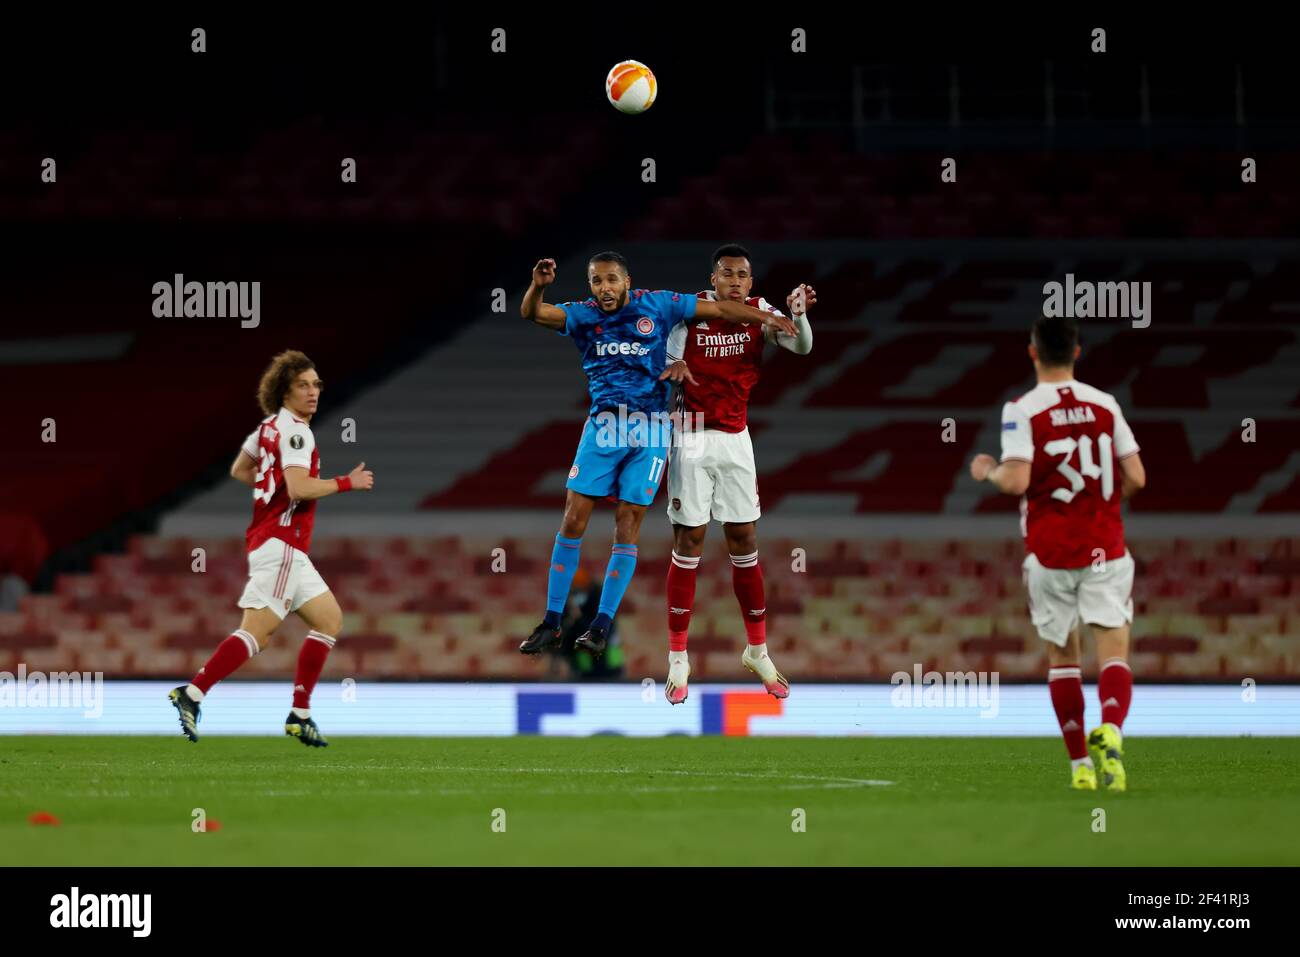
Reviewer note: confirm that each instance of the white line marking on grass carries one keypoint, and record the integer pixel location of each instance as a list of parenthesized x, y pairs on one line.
[(817, 781), (780, 781)]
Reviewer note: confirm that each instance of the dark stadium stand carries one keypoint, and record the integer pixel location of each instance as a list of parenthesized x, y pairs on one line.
[(459, 175), (918, 321), (90, 355), (787, 187)]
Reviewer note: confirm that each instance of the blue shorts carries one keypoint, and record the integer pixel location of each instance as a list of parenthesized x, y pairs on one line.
[(623, 460)]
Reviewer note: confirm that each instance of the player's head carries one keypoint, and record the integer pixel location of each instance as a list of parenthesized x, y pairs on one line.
[(1054, 344), (607, 274), (290, 381), (733, 275)]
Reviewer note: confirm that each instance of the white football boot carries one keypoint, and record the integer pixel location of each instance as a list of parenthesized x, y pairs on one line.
[(679, 671), (756, 660)]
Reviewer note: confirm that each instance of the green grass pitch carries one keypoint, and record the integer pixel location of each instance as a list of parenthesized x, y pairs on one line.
[(621, 801)]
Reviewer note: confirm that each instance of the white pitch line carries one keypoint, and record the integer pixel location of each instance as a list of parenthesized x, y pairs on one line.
[(478, 769), (815, 782)]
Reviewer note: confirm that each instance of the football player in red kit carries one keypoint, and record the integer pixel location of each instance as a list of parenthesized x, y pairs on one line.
[(711, 471), (279, 462), (1071, 456)]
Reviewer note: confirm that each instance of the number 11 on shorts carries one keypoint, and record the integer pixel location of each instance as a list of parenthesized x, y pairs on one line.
[(656, 469)]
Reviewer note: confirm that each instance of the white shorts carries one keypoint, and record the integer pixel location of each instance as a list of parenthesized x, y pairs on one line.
[(1060, 598), (711, 474), (281, 578)]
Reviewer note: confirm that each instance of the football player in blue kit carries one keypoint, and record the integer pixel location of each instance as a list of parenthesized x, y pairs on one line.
[(622, 334)]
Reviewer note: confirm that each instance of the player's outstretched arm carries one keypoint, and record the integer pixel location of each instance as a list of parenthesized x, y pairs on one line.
[(729, 311), (244, 469), (302, 487), (801, 298), (533, 308), (1010, 477)]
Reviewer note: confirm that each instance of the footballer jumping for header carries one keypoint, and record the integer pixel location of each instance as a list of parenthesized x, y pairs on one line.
[(622, 334), (711, 472)]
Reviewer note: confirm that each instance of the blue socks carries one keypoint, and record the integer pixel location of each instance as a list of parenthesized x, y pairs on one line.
[(618, 575), (564, 565)]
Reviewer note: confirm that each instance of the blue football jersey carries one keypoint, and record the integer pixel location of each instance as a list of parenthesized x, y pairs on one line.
[(623, 353)]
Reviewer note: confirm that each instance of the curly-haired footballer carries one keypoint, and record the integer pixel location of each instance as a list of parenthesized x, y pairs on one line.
[(279, 462)]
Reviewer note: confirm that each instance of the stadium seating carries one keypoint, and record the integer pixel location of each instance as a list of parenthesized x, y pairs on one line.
[(460, 174), (855, 427), (116, 364), (786, 187), (920, 322), (433, 608)]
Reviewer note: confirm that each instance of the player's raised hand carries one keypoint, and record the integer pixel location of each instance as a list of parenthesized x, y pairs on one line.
[(544, 272), (780, 324), (678, 372), (801, 298), (362, 479), (981, 466)]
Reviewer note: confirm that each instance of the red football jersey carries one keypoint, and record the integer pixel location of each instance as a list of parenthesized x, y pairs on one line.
[(281, 442), (1074, 436), (725, 358)]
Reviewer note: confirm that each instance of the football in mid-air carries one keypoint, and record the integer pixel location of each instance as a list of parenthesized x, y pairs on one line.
[(631, 87)]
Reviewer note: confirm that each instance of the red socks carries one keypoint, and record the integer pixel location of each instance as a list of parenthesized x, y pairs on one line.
[(241, 646), (311, 661), (681, 599), (230, 654), (1066, 686), (1115, 688), (747, 579)]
